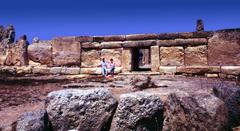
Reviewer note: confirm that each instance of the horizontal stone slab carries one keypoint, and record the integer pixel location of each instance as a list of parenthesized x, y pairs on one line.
[(65, 39), (141, 37), (114, 38), (97, 71), (198, 69), (70, 70), (184, 35), (24, 70), (182, 42), (231, 70), (41, 70), (55, 70), (110, 45), (90, 45), (84, 39), (142, 43), (167, 69)]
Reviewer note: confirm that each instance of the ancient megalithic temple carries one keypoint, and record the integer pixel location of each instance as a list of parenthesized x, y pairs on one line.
[(210, 53)]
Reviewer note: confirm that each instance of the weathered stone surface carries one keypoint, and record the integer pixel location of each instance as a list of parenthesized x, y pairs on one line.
[(97, 71), (171, 70), (66, 51), (109, 45), (171, 56), (70, 70), (187, 112), (84, 38), (33, 121), (2, 59), (126, 60), (141, 43), (231, 98), (90, 45), (75, 109), (55, 70), (140, 82), (41, 53), (223, 48), (155, 58), (41, 70), (141, 37), (115, 38), (230, 70), (196, 56), (7, 71), (90, 58), (138, 111), (185, 35), (183, 42), (98, 38), (24, 70), (198, 69), (115, 54), (211, 75)]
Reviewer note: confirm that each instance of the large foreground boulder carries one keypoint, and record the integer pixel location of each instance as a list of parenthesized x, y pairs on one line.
[(191, 112), (85, 110), (33, 121), (231, 98), (139, 112)]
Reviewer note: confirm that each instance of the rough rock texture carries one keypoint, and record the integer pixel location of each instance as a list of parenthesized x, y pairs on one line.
[(90, 45), (115, 54), (198, 69), (231, 70), (171, 56), (40, 70), (223, 48), (195, 112), (41, 53), (141, 36), (139, 112), (70, 71), (231, 98), (171, 70), (195, 56), (183, 42), (90, 58), (155, 58), (110, 45), (66, 51), (126, 60), (140, 43), (33, 121), (80, 109)]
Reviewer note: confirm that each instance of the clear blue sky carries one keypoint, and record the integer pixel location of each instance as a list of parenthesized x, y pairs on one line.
[(50, 18)]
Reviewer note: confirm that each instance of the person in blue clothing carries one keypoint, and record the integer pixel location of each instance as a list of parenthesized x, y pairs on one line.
[(104, 67)]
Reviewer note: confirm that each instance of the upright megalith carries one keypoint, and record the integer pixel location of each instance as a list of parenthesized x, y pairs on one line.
[(85, 110), (17, 53), (8, 35), (200, 25)]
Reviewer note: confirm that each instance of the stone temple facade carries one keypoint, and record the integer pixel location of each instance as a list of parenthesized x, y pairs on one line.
[(210, 53)]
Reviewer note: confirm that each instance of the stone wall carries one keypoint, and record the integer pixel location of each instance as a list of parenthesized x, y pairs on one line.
[(211, 53)]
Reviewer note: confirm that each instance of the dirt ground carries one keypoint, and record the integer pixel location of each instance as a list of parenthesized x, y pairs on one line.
[(22, 95)]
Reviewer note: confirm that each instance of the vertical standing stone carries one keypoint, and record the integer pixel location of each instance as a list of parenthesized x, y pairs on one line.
[(172, 56), (200, 25), (155, 58), (23, 54), (126, 60)]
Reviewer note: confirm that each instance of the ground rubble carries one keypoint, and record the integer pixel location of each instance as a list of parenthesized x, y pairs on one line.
[(143, 103)]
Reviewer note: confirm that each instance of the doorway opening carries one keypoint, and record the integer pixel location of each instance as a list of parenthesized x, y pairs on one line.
[(141, 59)]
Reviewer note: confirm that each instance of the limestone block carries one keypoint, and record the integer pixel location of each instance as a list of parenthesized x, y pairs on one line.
[(196, 56), (171, 56), (115, 54), (70, 70), (126, 60), (24, 70), (40, 70), (168, 70), (231, 70), (55, 70), (84, 38), (183, 42), (155, 58), (40, 53), (224, 48), (140, 43), (66, 51), (109, 45), (141, 36), (198, 69), (90, 45), (90, 58), (115, 38)]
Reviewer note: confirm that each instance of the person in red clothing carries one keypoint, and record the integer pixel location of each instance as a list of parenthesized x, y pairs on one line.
[(112, 67)]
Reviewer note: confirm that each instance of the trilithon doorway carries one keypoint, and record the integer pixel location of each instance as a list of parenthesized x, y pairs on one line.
[(141, 59)]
